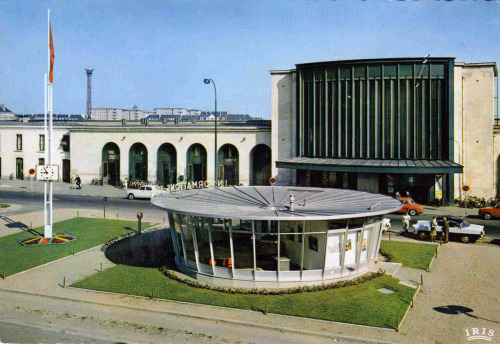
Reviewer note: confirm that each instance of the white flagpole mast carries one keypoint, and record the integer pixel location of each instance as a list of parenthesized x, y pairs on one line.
[(48, 148)]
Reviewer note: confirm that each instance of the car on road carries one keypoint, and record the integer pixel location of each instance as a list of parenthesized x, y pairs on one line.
[(490, 212), (145, 191), (410, 206), (459, 229)]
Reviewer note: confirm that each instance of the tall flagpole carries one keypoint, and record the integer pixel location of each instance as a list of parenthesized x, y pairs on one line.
[(48, 140)]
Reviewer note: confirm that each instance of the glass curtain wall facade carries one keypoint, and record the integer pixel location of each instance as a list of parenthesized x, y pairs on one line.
[(382, 109), (283, 251)]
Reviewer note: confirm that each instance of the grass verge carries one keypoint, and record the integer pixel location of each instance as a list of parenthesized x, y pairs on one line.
[(413, 255), (361, 304), (89, 232), (4, 205)]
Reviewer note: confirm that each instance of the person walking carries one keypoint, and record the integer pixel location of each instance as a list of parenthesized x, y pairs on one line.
[(433, 229), (406, 222), (446, 230), (78, 182)]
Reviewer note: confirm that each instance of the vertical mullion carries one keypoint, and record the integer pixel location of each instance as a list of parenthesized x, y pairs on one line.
[(254, 252), (345, 120), (390, 130), (339, 114), (438, 127), (302, 252), (278, 249), (422, 84), (368, 128), (361, 134), (212, 263), (301, 113), (326, 114), (382, 113), (353, 115), (376, 141), (194, 219), (231, 245), (431, 155), (398, 111), (314, 115), (415, 142), (334, 118), (407, 85), (326, 250)]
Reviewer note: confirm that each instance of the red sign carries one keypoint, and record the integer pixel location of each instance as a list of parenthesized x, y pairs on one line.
[(31, 171), (466, 188), (272, 180)]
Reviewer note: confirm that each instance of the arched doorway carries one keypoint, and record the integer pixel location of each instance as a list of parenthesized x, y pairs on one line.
[(260, 163), (228, 161), (110, 164), (138, 162), (196, 163), (167, 165)]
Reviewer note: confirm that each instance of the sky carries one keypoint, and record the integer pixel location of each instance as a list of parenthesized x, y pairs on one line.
[(157, 53)]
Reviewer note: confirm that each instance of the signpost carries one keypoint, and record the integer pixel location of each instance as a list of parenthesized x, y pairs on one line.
[(465, 188)]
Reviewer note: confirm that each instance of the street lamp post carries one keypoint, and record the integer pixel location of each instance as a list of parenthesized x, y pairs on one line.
[(208, 81)]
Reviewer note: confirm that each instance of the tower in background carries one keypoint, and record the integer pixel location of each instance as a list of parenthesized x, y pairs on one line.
[(89, 92)]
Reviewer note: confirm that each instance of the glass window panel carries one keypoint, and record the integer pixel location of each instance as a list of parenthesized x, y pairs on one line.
[(422, 70), (405, 71), (375, 71), (334, 249), (220, 242), (314, 251), (356, 222), (360, 72), (266, 250), (243, 251), (390, 71), (365, 243), (291, 245), (437, 70), (332, 73), (203, 240), (338, 224), (345, 72), (316, 226), (350, 249), (188, 240), (174, 220)]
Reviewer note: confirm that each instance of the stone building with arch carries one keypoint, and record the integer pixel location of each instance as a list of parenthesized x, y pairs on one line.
[(160, 152)]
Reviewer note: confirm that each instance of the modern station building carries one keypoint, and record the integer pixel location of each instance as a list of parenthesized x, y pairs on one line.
[(417, 125), (274, 236)]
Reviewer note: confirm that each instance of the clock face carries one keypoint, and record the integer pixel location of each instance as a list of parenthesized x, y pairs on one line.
[(47, 172)]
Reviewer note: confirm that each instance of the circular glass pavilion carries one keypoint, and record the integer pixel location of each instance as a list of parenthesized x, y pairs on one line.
[(274, 236)]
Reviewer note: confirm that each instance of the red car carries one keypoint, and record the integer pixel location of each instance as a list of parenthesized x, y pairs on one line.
[(410, 206), (490, 212)]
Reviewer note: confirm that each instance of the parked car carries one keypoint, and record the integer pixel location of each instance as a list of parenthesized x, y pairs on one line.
[(459, 229), (145, 191), (410, 206), (490, 212)]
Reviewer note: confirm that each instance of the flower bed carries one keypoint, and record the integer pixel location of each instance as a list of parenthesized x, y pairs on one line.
[(58, 238)]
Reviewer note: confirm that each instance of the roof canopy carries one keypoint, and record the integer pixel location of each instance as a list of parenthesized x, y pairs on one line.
[(273, 203), (371, 165)]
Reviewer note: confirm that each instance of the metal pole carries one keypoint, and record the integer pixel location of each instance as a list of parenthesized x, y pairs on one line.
[(208, 81)]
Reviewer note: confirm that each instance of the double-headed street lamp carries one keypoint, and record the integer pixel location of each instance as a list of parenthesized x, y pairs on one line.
[(208, 81)]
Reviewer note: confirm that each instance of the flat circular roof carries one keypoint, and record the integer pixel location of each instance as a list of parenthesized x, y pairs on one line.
[(273, 203)]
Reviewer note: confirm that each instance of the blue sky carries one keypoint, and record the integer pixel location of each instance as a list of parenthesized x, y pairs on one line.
[(157, 53)]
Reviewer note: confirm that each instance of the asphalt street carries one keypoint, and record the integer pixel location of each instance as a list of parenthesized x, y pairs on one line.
[(32, 202)]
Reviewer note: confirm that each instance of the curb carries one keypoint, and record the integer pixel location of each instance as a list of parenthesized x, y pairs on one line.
[(210, 318)]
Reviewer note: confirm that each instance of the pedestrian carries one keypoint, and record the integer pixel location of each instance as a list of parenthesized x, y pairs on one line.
[(406, 222), (433, 229), (408, 194), (446, 230), (78, 182), (398, 194)]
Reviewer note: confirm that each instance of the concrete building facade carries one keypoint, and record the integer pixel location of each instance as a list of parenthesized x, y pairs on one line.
[(387, 125)]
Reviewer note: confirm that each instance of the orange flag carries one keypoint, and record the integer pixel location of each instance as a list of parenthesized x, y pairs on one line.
[(51, 43)]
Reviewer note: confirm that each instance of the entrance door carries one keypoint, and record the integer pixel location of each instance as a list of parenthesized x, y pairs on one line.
[(197, 172), (166, 174), (19, 168), (112, 168), (66, 170), (230, 174)]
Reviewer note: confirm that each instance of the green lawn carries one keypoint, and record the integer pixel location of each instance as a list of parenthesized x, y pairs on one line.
[(361, 304), (89, 232), (4, 205), (413, 255)]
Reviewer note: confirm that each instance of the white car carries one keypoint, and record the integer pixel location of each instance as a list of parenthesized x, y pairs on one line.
[(145, 191), (459, 229)]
